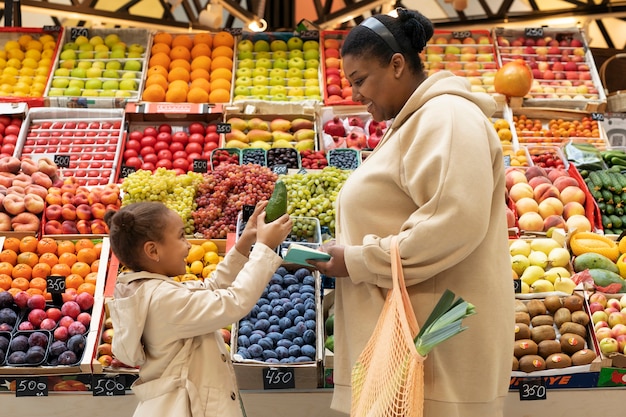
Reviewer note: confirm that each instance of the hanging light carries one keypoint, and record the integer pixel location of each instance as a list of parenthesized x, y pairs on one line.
[(212, 16), (250, 20)]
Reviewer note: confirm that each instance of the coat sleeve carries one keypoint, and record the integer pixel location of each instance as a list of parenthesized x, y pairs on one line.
[(447, 169)]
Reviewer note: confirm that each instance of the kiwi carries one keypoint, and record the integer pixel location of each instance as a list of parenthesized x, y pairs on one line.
[(530, 363), (522, 331), (561, 316), (547, 347), (573, 303), (544, 332), (571, 327), (583, 357), (536, 307), (580, 317), (515, 364), (558, 361), (524, 347), (553, 303), (542, 319), (522, 317), (571, 343), (520, 306)]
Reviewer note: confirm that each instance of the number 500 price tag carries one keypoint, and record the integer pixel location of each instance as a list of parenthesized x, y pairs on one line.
[(532, 389)]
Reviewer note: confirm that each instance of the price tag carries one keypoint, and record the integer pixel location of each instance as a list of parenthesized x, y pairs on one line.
[(51, 28), (107, 386), (517, 286), (462, 34), (223, 128), (310, 35), (55, 284), (200, 165), (78, 31), (533, 32), (246, 212), (278, 378), (31, 387), (302, 171), (234, 31), (507, 161), (125, 171), (280, 169), (597, 116), (62, 161), (532, 389)]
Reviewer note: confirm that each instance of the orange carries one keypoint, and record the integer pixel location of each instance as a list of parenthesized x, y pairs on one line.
[(95, 265), (87, 255), (73, 281), (65, 246), (179, 85), (205, 38), (219, 96), (39, 283), (5, 282), (199, 73), (41, 270), (221, 62), (182, 40), (34, 291), (12, 243), (28, 244), (84, 243), (157, 69), (200, 83), (91, 278), (86, 287), (14, 290), (46, 245), (22, 271), (49, 258), (175, 95), (161, 59), (81, 268), (6, 268), (180, 63), (28, 258), (201, 49), (201, 62), (67, 258), (47, 296), (198, 95), (160, 47), (163, 37), (223, 38), (180, 52), (154, 92), (222, 51), (178, 74), (157, 79), (220, 83), (223, 73), (98, 248), (8, 255), (61, 270)]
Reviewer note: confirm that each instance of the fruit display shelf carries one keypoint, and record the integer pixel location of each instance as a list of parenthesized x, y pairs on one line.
[(564, 72), (602, 307), (29, 54), (337, 90), (277, 66), (191, 68), (99, 68), (468, 53), (12, 117), (84, 143)]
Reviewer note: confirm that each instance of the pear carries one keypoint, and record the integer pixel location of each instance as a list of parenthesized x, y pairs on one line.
[(234, 143), (565, 285), (532, 274), (544, 244), (238, 123), (525, 288), (559, 257), (520, 246), (519, 263), (542, 285), (306, 144), (260, 144), (556, 272), (538, 258), (258, 124), (282, 125)]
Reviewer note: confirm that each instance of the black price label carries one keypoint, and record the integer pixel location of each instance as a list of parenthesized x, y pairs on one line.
[(597, 116), (51, 28), (532, 389), (310, 35), (234, 31), (533, 32), (62, 161), (280, 169), (302, 171), (55, 284), (278, 378), (200, 165), (223, 128), (125, 171), (462, 34), (76, 32), (517, 286), (507, 161), (246, 212), (31, 387), (106, 386)]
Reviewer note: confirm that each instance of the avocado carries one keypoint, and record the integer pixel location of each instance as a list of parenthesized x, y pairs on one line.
[(277, 204)]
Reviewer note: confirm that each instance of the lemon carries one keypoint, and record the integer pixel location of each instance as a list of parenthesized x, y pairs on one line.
[(196, 267), (207, 270), (195, 253), (211, 258), (23, 40), (209, 246), (188, 277), (11, 45), (34, 45)]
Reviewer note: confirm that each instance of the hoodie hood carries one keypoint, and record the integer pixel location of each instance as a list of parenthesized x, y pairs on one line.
[(128, 310)]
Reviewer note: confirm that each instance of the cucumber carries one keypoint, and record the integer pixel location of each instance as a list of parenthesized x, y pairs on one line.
[(607, 196), (603, 278), (277, 204), (607, 182)]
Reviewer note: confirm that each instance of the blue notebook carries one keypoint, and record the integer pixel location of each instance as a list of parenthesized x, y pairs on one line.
[(298, 254)]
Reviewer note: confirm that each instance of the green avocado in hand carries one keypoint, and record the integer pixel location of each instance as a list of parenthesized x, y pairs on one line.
[(277, 204)]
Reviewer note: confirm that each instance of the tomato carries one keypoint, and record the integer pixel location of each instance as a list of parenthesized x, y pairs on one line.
[(196, 128), (181, 164)]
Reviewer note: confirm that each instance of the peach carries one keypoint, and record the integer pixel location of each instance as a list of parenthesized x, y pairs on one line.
[(535, 171), (554, 220), (47, 166), (67, 197), (80, 199), (543, 191), (14, 204), (531, 221), (10, 164), (41, 179), (25, 222), (22, 180), (549, 206), (578, 222), (571, 208), (510, 217), (83, 212), (83, 226), (109, 196), (521, 190), (555, 173), (98, 227), (29, 166), (68, 227), (561, 182), (525, 205), (53, 212), (53, 199), (513, 176), (98, 210), (52, 227), (5, 222), (68, 211), (535, 181), (36, 189), (34, 203), (573, 193)]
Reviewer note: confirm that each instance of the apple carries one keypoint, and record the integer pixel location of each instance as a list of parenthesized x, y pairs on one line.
[(608, 345), (615, 318)]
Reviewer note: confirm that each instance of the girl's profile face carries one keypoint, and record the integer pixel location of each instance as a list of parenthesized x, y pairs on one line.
[(174, 246)]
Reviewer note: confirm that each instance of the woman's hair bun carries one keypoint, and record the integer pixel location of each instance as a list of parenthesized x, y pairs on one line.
[(419, 28)]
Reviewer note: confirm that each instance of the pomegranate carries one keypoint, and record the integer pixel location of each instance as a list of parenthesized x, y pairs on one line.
[(375, 137), (513, 79), (334, 127), (356, 121), (371, 128)]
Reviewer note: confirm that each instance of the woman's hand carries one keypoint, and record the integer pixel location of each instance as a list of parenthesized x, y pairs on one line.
[(249, 233), (336, 267)]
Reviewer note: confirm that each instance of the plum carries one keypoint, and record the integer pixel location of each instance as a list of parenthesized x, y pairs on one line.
[(284, 323), (282, 352), (245, 330), (67, 358), (57, 347), (4, 341), (35, 355), (275, 336), (284, 294), (38, 339), (292, 314), (284, 343), (276, 279), (309, 314), (273, 319), (243, 352), (282, 271), (262, 301), (299, 319), (294, 297), (293, 288), (255, 350), (262, 324), (19, 343), (307, 296), (243, 341), (273, 328), (76, 343), (5, 327), (254, 338), (289, 334), (299, 328), (272, 360), (6, 299), (308, 350), (275, 288), (8, 316), (309, 280), (266, 343), (303, 359), (278, 311), (294, 350), (307, 289), (2, 355), (263, 315), (298, 341), (290, 280), (309, 336), (76, 328), (310, 324), (273, 295), (302, 273), (266, 308), (17, 357), (269, 354)]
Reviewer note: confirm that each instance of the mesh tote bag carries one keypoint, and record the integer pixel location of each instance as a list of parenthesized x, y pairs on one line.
[(388, 376)]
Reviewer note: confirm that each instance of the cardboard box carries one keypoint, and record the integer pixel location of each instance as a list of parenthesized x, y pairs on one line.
[(15, 111)]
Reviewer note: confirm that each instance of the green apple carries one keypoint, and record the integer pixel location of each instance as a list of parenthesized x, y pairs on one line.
[(241, 55), (243, 81), (55, 92), (119, 46), (62, 72), (111, 85), (111, 39), (295, 92), (96, 40), (68, 54), (80, 84), (240, 97), (260, 80), (311, 81), (123, 93), (99, 64), (311, 44), (128, 84), (260, 71), (311, 73), (114, 65), (278, 45), (93, 72), (86, 55), (243, 72), (107, 93), (259, 90), (69, 46), (296, 63), (117, 54), (81, 40), (245, 45), (263, 55), (261, 46), (280, 97), (101, 55), (132, 65), (295, 53), (101, 48), (60, 82), (246, 63), (278, 89), (312, 63), (129, 75), (311, 91), (71, 91), (294, 72), (278, 72), (295, 82), (294, 42), (264, 62), (134, 55), (135, 47), (281, 63), (83, 64), (311, 54), (279, 54), (110, 73), (90, 93), (277, 81), (86, 47), (242, 90), (78, 72)]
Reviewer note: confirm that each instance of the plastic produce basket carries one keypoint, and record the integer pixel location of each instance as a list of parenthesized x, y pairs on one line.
[(337, 90), (221, 156), (344, 158)]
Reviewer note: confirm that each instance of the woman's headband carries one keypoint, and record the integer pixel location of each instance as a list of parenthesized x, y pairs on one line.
[(381, 30)]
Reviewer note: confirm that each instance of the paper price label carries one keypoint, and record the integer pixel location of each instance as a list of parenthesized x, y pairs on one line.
[(532, 389), (278, 378), (462, 34), (310, 35), (280, 169), (31, 387), (597, 116)]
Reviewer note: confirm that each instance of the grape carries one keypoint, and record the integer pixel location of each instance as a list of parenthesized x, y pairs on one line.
[(177, 192)]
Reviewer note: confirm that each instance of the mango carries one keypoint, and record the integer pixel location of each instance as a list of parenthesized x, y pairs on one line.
[(257, 123), (301, 123), (282, 144), (238, 123), (303, 134), (236, 134), (283, 125), (260, 144), (306, 144), (278, 135), (256, 134), (234, 143)]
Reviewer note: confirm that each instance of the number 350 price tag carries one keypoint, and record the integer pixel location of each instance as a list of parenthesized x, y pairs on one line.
[(532, 389)]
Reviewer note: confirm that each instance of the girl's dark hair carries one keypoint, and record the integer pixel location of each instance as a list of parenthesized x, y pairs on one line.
[(131, 227), (411, 30)]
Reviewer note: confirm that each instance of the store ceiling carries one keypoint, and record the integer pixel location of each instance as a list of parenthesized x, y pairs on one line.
[(604, 21)]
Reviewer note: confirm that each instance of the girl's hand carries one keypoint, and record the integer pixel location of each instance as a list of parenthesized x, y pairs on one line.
[(249, 233), (274, 233)]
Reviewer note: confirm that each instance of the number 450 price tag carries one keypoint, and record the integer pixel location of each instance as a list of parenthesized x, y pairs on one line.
[(278, 378), (532, 389)]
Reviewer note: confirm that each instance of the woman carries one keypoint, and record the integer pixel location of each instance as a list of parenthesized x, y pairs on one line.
[(436, 180)]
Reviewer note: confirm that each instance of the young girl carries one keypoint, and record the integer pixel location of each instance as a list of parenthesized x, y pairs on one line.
[(172, 331)]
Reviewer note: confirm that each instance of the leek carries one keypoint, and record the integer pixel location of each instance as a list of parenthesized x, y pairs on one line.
[(443, 322)]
